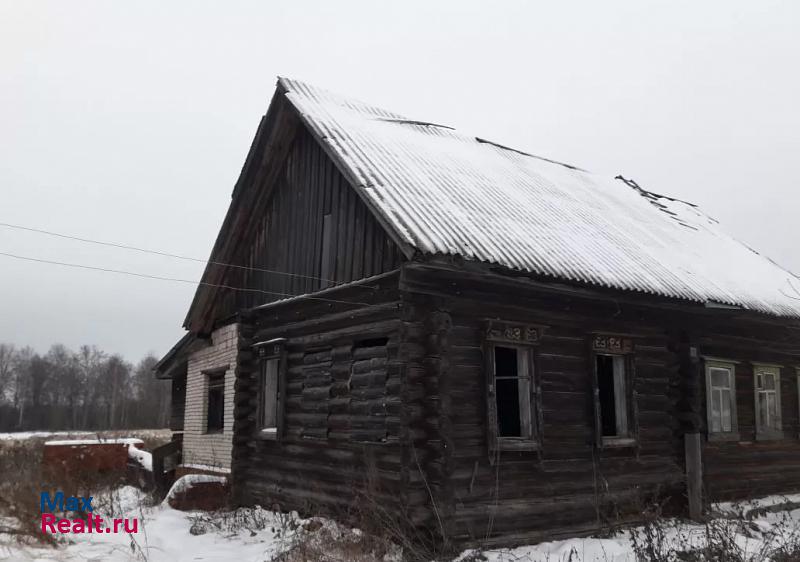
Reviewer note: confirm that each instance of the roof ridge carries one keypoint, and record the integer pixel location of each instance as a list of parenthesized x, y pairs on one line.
[(287, 82)]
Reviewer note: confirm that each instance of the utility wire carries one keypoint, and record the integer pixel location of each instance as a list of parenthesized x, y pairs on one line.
[(164, 254), (174, 279)]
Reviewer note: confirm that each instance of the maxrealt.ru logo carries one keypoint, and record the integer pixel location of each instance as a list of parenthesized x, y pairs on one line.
[(90, 523)]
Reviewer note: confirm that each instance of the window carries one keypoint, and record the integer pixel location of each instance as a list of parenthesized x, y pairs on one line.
[(215, 413), (797, 370), (767, 379), (269, 395), (721, 400), (513, 392), (270, 388), (512, 395), (612, 391), (614, 396)]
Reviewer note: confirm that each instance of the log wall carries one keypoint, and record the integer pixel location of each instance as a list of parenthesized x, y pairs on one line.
[(568, 485), (386, 399), (339, 449), (750, 468)]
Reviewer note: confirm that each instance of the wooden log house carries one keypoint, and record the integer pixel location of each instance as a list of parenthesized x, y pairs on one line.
[(487, 344)]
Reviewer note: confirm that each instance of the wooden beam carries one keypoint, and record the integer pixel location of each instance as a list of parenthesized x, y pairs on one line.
[(694, 475)]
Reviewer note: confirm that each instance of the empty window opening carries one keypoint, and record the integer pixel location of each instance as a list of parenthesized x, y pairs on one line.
[(215, 421), (612, 395), (513, 392), (373, 342)]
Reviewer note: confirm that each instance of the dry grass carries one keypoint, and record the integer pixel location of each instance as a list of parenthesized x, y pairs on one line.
[(23, 478), (733, 536)]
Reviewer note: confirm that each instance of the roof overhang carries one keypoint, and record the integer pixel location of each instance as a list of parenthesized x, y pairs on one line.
[(177, 357)]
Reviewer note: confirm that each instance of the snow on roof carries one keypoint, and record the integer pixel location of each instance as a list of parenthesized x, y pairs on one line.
[(444, 192), (115, 441), (143, 458), (188, 481), (24, 435)]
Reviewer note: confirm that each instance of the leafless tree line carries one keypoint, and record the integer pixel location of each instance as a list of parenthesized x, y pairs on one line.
[(86, 389)]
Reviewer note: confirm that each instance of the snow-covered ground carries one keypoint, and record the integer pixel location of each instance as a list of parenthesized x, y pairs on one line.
[(166, 535), (163, 536)]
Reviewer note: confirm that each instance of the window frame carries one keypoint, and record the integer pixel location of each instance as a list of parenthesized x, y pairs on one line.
[(268, 351), (768, 433), (797, 382), (623, 348), (214, 380), (523, 338), (732, 435)]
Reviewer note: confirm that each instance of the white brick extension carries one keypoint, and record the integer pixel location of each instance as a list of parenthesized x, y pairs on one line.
[(199, 447)]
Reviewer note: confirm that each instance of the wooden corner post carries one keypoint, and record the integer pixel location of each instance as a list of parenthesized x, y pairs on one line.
[(694, 474)]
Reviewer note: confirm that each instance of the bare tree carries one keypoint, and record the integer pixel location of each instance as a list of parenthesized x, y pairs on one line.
[(152, 394), (90, 361), (21, 383), (8, 357), (87, 389)]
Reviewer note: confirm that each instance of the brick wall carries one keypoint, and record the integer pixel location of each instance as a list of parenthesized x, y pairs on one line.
[(199, 447)]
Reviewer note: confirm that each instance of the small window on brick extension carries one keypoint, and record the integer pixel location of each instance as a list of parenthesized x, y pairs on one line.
[(215, 419)]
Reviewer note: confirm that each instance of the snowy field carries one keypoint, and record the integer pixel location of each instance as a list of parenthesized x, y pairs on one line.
[(258, 535)]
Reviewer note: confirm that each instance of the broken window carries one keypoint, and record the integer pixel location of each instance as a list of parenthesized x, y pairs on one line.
[(721, 399), (513, 407), (215, 413), (612, 395), (512, 389), (768, 400)]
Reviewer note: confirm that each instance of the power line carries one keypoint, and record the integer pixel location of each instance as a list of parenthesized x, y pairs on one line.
[(173, 279), (163, 254)]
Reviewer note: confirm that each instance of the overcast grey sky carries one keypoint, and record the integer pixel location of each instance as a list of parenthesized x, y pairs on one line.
[(130, 121)]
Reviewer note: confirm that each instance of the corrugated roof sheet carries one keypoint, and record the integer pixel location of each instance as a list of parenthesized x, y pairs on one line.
[(444, 192)]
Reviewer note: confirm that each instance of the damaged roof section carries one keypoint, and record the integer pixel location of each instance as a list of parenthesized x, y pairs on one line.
[(444, 192)]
